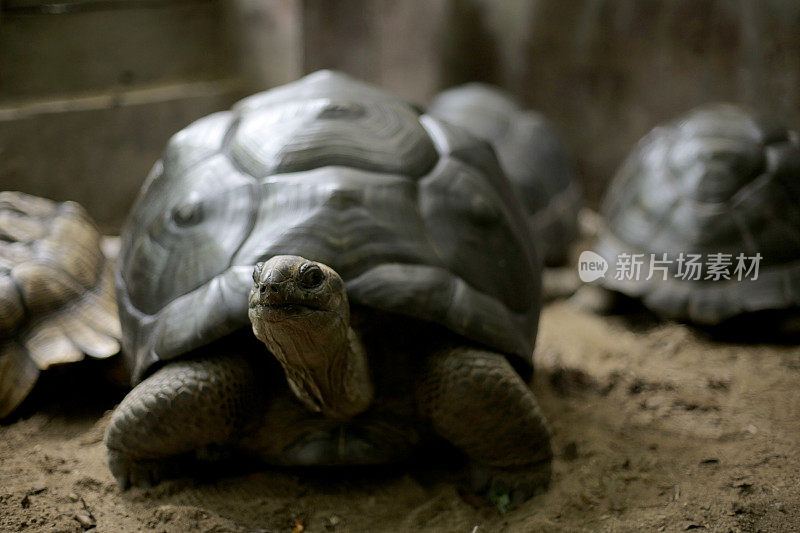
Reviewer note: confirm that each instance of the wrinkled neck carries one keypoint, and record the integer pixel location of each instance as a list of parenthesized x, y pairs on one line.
[(324, 361)]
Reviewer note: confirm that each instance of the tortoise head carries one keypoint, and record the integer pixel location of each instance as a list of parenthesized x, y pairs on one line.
[(289, 286), (299, 309)]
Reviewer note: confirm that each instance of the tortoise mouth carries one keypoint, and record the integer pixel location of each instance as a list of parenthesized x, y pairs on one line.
[(289, 306), (288, 309)]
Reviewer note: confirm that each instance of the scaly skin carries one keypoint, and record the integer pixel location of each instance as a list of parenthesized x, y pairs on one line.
[(476, 401), (182, 408), (472, 398)]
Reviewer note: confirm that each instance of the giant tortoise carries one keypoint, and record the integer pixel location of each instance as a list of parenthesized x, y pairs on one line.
[(56, 292), (530, 153), (381, 259), (703, 218)]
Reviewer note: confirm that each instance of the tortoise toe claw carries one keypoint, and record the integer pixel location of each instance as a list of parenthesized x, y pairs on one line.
[(506, 488), (130, 472)]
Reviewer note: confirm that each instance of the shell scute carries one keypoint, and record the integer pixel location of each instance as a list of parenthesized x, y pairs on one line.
[(302, 135), (465, 218)]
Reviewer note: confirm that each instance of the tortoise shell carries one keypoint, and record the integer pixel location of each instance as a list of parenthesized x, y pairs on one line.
[(56, 292), (718, 180), (415, 215), (530, 153)]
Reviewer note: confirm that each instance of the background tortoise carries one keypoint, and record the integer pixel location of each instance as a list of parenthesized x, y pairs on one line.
[(395, 282), (531, 155), (716, 180), (56, 292)]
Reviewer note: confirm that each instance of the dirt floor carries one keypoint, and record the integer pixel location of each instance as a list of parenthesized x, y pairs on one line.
[(656, 428)]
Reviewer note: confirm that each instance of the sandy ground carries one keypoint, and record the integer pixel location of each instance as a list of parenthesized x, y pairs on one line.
[(656, 428)]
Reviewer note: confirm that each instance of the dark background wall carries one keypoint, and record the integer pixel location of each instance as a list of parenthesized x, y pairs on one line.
[(90, 90)]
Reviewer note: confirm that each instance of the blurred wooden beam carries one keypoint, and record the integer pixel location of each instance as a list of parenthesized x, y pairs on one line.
[(54, 49), (98, 150)]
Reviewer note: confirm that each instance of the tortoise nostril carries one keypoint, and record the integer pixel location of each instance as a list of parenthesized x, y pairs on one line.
[(262, 289), (273, 287)]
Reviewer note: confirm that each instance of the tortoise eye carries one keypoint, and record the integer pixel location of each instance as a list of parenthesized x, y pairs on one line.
[(311, 275), (187, 214)]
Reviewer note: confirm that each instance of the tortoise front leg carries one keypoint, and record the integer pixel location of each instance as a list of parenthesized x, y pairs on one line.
[(183, 407), (476, 401)]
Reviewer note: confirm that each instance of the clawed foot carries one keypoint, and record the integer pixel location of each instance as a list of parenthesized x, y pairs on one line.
[(130, 472), (505, 488)]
